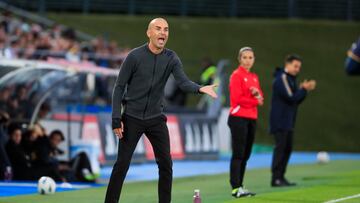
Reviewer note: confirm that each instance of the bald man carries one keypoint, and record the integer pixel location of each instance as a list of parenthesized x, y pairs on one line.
[(139, 89)]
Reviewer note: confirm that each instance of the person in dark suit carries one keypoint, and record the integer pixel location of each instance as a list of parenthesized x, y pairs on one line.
[(286, 97), (352, 62)]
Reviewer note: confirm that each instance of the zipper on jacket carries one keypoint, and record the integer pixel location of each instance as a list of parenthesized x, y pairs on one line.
[(152, 80)]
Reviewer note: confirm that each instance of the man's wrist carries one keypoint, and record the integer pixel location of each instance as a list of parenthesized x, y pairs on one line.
[(199, 90), (116, 123)]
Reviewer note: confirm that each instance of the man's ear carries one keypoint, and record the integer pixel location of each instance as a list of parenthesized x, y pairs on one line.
[(148, 33)]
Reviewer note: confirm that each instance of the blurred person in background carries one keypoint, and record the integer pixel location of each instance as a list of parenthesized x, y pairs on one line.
[(43, 154), (5, 94), (6, 171), (245, 97), (44, 110), (208, 71), (43, 46), (20, 161), (352, 62), (47, 152), (70, 45), (23, 161), (34, 139), (286, 97), (9, 22), (21, 99), (17, 104), (175, 98)]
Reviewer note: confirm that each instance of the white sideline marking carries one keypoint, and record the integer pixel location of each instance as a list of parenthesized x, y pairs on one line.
[(344, 198), (74, 186)]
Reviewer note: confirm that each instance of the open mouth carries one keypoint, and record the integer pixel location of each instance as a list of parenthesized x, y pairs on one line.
[(161, 40)]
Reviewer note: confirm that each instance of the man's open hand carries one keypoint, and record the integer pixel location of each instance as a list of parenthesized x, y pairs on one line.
[(209, 90)]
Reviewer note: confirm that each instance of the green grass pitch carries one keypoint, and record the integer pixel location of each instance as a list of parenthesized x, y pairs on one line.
[(316, 183)]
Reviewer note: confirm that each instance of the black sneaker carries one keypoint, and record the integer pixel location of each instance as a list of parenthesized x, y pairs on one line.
[(278, 183), (281, 183), (241, 192), (289, 183)]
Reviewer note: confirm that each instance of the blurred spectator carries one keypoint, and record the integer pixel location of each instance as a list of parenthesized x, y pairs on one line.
[(45, 152), (174, 96), (207, 77), (20, 161), (17, 104), (45, 108), (28, 141), (14, 100), (79, 165), (352, 62), (33, 141), (78, 169), (5, 165), (4, 97), (208, 71)]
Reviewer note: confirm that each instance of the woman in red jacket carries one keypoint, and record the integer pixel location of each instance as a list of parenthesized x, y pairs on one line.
[(245, 97)]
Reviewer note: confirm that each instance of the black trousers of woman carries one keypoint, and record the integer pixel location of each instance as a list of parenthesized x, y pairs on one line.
[(242, 139)]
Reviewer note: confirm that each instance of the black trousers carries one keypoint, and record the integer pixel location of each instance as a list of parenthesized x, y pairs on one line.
[(282, 152), (242, 139), (78, 164), (156, 131)]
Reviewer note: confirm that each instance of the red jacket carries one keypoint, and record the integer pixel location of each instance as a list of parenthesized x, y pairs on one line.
[(242, 102)]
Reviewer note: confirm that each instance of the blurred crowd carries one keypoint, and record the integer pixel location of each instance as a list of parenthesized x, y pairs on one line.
[(27, 40), (14, 103), (32, 153), (21, 157), (27, 153)]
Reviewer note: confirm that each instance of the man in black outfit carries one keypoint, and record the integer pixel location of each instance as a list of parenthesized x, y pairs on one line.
[(140, 89), (286, 98)]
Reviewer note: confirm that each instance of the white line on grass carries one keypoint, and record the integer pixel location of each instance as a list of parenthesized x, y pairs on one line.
[(344, 198), (75, 186)]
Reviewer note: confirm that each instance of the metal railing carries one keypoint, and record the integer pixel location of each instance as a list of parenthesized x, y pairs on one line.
[(323, 9)]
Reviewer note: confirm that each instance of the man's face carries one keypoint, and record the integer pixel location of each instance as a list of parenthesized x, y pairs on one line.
[(5, 94), (16, 136), (293, 68), (158, 33), (22, 93), (55, 140)]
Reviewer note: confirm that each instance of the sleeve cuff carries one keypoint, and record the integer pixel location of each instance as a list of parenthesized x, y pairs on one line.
[(116, 123), (199, 90)]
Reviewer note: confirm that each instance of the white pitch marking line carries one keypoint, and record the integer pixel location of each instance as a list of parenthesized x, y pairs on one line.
[(344, 198), (74, 186)]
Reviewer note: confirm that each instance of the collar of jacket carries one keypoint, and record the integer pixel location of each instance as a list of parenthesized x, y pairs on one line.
[(289, 75), (281, 70), (148, 49)]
